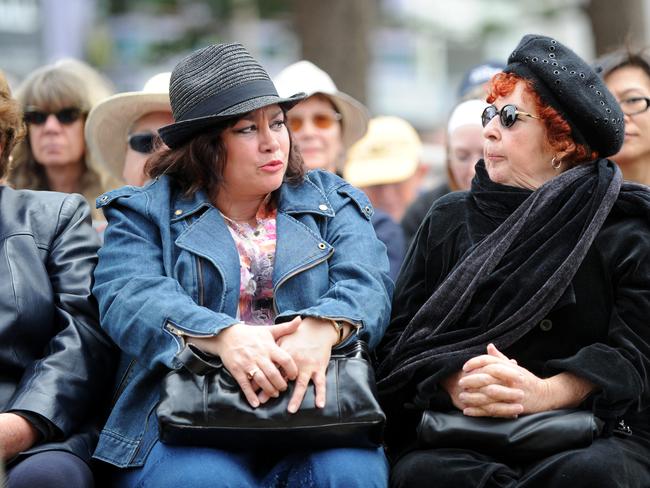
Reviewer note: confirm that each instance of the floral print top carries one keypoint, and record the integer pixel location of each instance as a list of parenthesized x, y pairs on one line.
[(256, 249)]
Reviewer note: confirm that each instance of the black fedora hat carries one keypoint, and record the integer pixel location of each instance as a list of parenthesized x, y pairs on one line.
[(217, 83)]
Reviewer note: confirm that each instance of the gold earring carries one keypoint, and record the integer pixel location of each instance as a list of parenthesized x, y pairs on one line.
[(556, 163)]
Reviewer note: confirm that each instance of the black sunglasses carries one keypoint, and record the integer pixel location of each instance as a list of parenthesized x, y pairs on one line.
[(508, 115), (142, 142), (65, 116)]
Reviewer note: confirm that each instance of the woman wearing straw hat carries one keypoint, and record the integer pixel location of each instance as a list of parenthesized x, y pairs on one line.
[(528, 294), (327, 122), (234, 249), (122, 130)]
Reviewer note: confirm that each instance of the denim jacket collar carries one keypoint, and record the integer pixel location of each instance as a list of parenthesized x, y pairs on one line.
[(293, 199)]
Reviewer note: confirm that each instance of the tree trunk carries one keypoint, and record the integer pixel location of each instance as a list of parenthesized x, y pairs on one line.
[(335, 35), (616, 23)]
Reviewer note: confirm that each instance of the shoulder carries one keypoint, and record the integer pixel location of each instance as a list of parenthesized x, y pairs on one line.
[(40, 213), (333, 191)]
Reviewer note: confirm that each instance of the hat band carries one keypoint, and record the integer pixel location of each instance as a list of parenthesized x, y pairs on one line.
[(219, 102)]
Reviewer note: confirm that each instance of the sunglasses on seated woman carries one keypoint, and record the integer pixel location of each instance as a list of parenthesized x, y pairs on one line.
[(508, 115), (142, 142), (65, 116), (322, 120)]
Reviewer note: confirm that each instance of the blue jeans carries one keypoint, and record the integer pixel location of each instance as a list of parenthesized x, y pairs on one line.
[(199, 467)]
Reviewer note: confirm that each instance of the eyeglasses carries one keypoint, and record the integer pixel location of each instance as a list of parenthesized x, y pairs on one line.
[(322, 120), (508, 115), (142, 142), (65, 116), (634, 105)]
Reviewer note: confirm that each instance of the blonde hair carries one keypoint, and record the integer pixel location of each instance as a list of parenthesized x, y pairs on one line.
[(12, 128), (66, 83)]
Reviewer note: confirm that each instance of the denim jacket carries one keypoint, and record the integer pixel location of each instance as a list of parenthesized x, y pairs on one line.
[(169, 266)]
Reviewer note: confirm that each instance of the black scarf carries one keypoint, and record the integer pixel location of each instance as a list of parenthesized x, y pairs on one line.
[(512, 278)]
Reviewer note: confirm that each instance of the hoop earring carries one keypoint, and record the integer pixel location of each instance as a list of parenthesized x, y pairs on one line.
[(556, 164)]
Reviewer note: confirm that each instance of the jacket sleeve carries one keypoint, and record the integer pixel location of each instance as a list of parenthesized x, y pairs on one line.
[(358, 270), (66, 386), (620, 366), (139, 303)]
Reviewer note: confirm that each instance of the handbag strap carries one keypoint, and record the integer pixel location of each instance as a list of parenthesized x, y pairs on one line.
[(197, 362)]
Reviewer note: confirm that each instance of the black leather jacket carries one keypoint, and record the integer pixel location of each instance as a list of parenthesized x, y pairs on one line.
[(55, 361)]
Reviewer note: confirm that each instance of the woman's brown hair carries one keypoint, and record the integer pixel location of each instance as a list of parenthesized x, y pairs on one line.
[(558, 131), (189, 164), (12, 128)]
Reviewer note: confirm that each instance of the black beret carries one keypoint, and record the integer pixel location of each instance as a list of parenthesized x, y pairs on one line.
[(567, 83)]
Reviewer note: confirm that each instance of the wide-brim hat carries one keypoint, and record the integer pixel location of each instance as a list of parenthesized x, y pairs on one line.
[(217, 83), (108, 123), (388, 153), (305, 76)]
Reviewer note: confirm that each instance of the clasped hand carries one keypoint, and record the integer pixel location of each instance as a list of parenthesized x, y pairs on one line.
[(263, 359), (492, 385)]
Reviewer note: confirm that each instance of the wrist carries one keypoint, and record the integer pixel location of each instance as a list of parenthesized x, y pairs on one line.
[(339, 328), (566, 390)]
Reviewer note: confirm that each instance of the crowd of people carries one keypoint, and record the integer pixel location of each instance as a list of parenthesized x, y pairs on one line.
[(267, 222)]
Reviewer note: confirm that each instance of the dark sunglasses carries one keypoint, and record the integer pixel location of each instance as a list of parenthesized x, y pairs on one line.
[(322, 120), (65, 116), (508, 115), (142, 142)]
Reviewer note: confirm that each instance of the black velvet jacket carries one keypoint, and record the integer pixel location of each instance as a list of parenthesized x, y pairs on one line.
[(55, 361), (599, 330)]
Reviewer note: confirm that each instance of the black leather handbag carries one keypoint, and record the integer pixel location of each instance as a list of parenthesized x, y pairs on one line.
[(201, 404), (526, 437)]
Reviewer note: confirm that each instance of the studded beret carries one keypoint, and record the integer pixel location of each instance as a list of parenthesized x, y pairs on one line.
[(567, 83)]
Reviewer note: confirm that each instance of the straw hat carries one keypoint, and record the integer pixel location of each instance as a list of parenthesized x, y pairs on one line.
[(217, 83), (388, 153), (305, 76), (108, 124)]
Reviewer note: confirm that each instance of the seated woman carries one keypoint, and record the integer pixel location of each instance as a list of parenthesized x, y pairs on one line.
[(229, 239), (54, 360), (530, 292), (56, 99)]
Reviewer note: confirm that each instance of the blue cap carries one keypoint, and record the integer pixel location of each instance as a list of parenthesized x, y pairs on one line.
[(478, 75)]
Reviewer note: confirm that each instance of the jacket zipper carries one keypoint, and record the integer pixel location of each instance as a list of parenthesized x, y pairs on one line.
[(291, 275), (122, 384), (199, 270)]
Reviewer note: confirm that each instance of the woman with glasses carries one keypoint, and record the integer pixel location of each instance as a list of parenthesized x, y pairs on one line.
[(327, 122), (528, 293), (627, 75), (53, 156), (54, 359), (122, 130)]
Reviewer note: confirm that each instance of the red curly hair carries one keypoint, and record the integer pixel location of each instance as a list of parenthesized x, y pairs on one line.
[(558, 131)]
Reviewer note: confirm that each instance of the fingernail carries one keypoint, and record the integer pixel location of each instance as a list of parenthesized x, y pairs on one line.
[(320, 404), (292, 409), (256, 404), (276, 394)]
